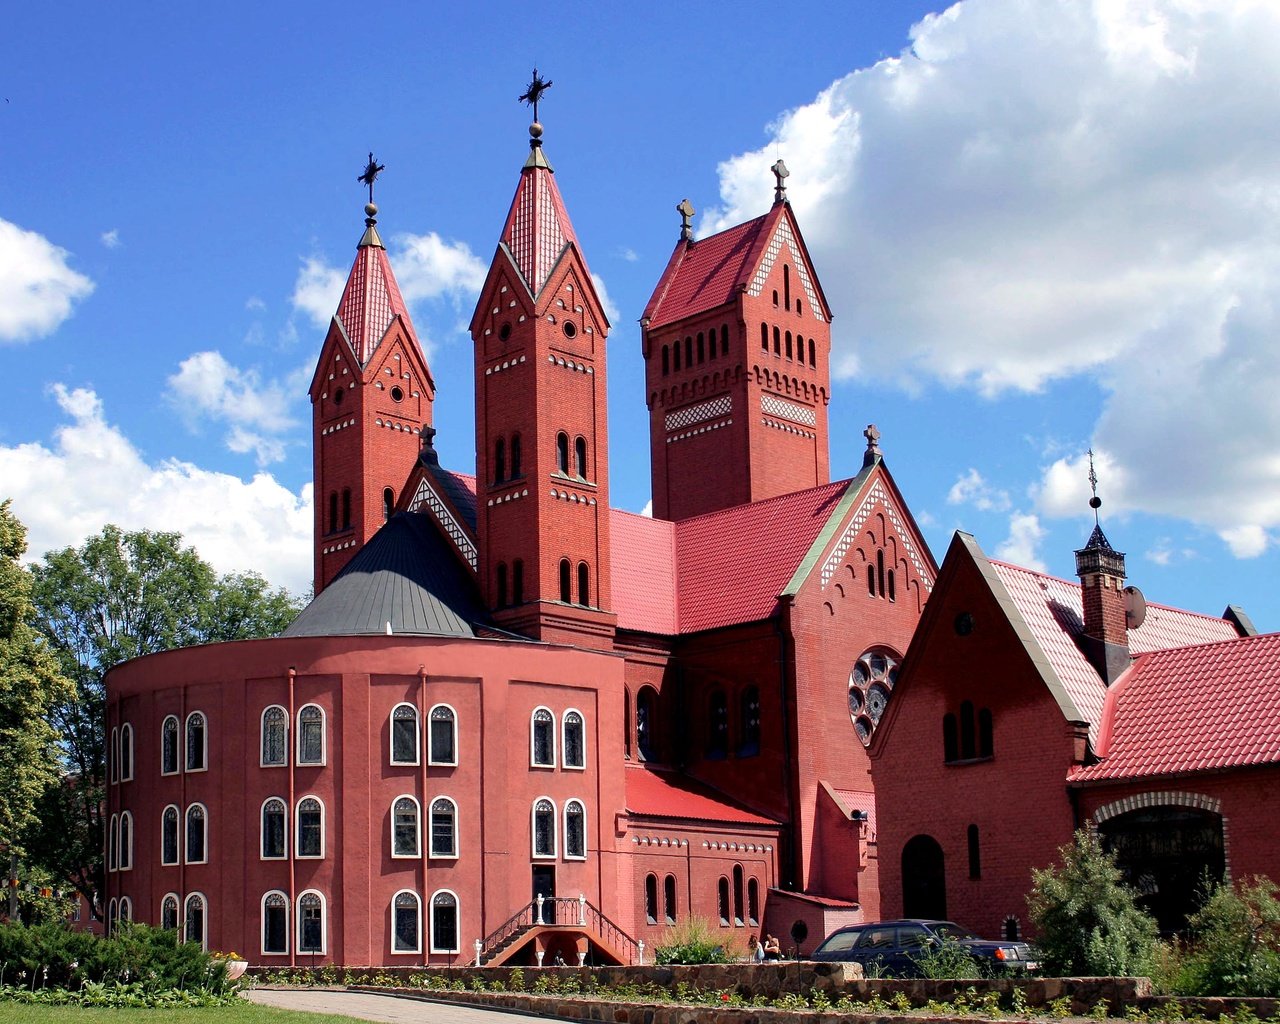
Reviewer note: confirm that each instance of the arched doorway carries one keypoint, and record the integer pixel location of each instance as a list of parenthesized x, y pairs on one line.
[(1171, 855), (924, 880)]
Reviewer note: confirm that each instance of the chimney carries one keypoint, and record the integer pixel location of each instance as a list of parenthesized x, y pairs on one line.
[(1106, 638)]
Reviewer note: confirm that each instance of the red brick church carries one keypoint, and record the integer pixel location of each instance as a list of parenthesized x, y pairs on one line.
[(520, 724)]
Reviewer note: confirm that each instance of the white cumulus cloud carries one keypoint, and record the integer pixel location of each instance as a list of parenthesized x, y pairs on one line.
[(110, 239), (1022, 546), (972, 489), (101, 477), (318, 290), (38, 288), (428, 267)]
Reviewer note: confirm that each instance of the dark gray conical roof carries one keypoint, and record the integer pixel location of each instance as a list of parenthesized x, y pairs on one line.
[(408, 575)]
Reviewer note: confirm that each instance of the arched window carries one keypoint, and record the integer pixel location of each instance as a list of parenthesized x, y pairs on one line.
[(562, 453), (669, 899), (346, 508), (311, 734), (871, 683), (749, 712), (499, 461), (702, 351), (275, 736), (893, 590), (950, 740), (775, 296), (197, 834), (309, 838), (406, 922), (871, 580), (544, 828), (788, 349), (517, 582), (584, 585), (724, 339), (196, 738), (444, 922), (975, 853), (113, 915), (275, 842), (813, 359), (169, 912), (126, 909), (786, 287), (777, 342), (275, 923), (333, 512), (542, 739), (126, 841), (968, 748), (626, 724), (169, 746), (646, 723), (405, 836), (722, 900), (688, 351), (193, 920), (566, 583), (651, 898), (444, 827), (502, 584), (718, 725), (573, 740), (880, 572), (580, 457), (985, 737), (676, 353), (575, 830), (515, 457), (443, 739), (404, 734), (738, 887), (126, 752), (113, 843), (311, 923), (753, 902), (764, 337), (169, 835), (666, 360), (388, 503)]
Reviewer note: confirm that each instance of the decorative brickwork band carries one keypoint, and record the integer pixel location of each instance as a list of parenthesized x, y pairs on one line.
[(877, 496), (1167, 798), (773, 406), (721, 406), (425, 496), (782, 236)]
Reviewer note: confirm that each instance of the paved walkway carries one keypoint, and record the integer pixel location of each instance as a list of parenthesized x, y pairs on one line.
[(389, 1009)]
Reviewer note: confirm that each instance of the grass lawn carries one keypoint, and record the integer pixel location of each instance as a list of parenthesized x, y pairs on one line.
[(244, 1013)]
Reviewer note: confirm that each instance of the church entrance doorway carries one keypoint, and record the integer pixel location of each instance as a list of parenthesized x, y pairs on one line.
[(924, 880), (1170, 855), (544, 885)]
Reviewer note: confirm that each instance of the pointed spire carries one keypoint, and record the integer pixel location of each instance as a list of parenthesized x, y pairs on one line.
[(1098, 555)]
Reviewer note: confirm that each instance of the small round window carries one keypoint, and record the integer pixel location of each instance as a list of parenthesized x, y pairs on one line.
[(337, 396), (870, 684), (397, 393), (570, 329)]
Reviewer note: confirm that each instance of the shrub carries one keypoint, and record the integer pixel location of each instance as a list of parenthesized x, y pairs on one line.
[(947, 959), (1087, 919), (1235, 949), (692, 942)]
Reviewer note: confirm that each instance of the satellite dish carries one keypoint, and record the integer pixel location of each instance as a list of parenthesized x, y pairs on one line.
[(1135, 608)]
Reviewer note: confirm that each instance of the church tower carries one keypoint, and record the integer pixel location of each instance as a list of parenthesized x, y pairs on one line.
[(737, 348), (542, 470), (371, 396)]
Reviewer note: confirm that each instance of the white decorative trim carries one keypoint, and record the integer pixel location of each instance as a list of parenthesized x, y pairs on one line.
[(672, 841), (338, 426), (877, 495), (505, 364), (774, 406), (1168, 798), (425, 495), (689, 415), (572, 498), (782, 236), (699, 430), (338, 547), (570, 364), (512, 496), (787, 428)]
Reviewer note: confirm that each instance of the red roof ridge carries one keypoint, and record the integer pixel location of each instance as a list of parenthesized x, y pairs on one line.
[(765, 502)]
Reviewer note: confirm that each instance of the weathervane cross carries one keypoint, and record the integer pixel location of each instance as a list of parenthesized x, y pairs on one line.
[(371, 172), (534, 93), (1095, 502), (781, 174), (686, 211)]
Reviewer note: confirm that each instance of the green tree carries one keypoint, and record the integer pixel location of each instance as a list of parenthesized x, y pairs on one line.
[(1086, 918), (30, 685), (1235, 950), (121, 595)]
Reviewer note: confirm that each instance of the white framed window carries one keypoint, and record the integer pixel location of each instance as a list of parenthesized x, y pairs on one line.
[(126, 752), (275, 923), (404, 734), (575, 830), (544, 827), (444, 922), (169, 912), (113, 843), (126, 840), (197, 834), (311, 738), (169, 746), (113, 915), (113, 755), (169, 837), (197, 742), (542, 738), (406, 831), (312, 930), (309, 838), (406, 922), (275, 737), (194, 920), (275, 829), (444, 828), (125, 910), (442, 740), (573, 740)]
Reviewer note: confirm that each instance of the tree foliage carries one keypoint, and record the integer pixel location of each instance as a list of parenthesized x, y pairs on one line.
[(121, 595), (30, 685), (1235, 949), (1087, 919)]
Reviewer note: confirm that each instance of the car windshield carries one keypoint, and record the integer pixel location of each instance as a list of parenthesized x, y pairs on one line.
[(951, 930)]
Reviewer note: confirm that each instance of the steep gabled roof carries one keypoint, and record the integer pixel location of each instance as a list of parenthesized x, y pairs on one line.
[(371, 300), (663, 793), (1190, 709), (643, 567)]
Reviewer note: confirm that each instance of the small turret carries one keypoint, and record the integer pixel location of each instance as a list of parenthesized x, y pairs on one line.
[(1102, 573)]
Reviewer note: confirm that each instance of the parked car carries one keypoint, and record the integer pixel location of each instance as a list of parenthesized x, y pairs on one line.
[(895, 947)]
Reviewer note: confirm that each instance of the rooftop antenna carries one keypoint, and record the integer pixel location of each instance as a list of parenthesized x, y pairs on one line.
[(1095, 502)]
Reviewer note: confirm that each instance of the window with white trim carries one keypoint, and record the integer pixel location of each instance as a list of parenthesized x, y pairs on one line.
[(405, 833), (275, 831), (275, 737), (442, 741), (126, 752), (575, 830), (544, 828), (126, 840), (406, 922), (275, 923), (194, 919), (311, 922), (404, 734), (444, 827), (444, 922), (197, 834), (169, 836), (309, 841), (169, 912), (169, 746), (126, 909), (113, 757), (113, 913), (197, 741), (542, 739), (113, 843), (311, 735), (574, 745)]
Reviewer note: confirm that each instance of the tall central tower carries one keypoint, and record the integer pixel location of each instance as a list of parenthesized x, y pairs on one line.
[(542, 471)]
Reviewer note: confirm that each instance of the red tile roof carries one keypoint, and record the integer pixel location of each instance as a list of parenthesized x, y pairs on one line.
[(537, 229), (1193, 709), (370, 301), (705, 274), (660, 793), (818, 901), (643, 573)]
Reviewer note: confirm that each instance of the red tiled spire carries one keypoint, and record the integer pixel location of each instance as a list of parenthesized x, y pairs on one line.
[(371, 300), (537, 229)]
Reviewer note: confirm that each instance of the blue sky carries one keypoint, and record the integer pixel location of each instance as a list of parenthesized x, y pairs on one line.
[(1041, 226)]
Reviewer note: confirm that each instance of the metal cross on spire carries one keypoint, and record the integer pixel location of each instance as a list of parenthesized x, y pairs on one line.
[(781, 174), (686, 211), (371, 172), (1095, 502), (534, 93)]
